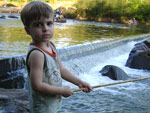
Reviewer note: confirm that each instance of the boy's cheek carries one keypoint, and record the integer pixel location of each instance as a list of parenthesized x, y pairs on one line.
[(27, 30)]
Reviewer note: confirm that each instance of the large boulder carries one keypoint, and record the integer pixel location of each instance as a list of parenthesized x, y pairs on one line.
[(139, 57), (12, 72), (12, 80), (114, 72)]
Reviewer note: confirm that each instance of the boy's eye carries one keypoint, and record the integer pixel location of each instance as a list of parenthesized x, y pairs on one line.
[(50, 23), (37, 25)]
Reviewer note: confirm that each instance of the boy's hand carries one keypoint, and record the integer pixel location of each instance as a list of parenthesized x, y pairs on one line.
[(85, 86), (67, 92)]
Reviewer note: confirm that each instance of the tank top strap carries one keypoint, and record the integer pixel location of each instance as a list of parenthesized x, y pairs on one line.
[(28, 54)]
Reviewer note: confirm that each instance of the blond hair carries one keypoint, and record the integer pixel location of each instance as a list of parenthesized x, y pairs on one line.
[(34, 11)]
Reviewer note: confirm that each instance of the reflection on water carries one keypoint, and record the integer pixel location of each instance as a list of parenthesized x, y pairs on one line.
[(14, 41)]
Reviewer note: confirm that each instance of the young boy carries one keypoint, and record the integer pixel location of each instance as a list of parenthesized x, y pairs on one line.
[(44, 68)]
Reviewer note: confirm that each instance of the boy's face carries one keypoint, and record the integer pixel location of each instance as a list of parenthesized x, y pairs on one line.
[(41, 30)]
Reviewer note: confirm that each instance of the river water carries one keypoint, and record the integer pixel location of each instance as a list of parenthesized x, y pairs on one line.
[(14, 41), (131, 97)]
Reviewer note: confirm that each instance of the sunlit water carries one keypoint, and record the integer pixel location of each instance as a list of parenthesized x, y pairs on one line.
[(14, 41), (131, 97)]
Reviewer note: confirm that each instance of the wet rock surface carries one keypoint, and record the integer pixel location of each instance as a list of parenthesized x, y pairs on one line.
[(114, 72), (139, 57), (14, 101), (12, 72)]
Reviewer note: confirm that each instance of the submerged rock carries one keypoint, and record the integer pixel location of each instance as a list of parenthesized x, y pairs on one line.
[(12, 16), (13, 80), (114, 72), (14, 101), (2, 17)]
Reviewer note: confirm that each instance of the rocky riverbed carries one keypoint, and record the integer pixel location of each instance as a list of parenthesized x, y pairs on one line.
[(14, 101)]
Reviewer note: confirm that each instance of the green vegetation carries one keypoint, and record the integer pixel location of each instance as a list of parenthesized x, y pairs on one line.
[(26, 0), (120, 10), (109, 10), (42, 0)]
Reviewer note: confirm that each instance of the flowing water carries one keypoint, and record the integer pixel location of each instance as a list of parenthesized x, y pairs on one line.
[(131, 97), (14, 41)]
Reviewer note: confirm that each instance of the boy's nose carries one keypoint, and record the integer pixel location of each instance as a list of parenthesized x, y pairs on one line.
[(45, 28)]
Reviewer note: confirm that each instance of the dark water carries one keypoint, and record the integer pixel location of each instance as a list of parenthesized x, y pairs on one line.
[(14, 41), (105, 102)]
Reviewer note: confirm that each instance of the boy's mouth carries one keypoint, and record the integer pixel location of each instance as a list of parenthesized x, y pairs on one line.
[(46, 35)]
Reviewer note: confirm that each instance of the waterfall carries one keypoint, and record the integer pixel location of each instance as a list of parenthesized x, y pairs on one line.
[(12, 72), (81, 58), (87, 49), (78, 59)]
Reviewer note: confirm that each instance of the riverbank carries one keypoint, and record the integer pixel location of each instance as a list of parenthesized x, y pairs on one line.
[(55, 4), (74, 12), (11, 10)]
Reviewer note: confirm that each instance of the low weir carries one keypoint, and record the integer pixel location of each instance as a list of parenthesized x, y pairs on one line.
[(75, 58)]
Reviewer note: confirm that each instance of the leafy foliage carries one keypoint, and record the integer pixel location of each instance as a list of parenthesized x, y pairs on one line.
[(115, 9)]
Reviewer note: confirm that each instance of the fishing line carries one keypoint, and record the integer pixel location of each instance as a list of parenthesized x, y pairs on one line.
[(110, 84)]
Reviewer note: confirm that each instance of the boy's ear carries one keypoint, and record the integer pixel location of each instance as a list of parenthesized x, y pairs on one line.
[(27, 30)]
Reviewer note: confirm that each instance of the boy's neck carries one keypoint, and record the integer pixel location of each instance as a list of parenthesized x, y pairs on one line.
[(42, 44)]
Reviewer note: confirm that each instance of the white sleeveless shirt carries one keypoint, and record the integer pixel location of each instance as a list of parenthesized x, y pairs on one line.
[(39, 102)]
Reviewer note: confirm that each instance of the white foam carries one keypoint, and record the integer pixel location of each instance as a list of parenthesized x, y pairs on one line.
[(116, 56)]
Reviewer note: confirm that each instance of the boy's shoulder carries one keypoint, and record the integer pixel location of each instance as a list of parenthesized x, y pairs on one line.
[(34, 53)]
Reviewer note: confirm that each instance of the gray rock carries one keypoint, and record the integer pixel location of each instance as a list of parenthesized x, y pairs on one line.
[(12, 72), (139, 57), (114, 72)]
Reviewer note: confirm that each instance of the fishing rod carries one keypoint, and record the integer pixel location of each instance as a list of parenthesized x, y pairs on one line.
[(110, 84)]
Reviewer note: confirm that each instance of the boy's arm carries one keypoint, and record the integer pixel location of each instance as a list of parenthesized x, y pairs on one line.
[(67, 75), (36, 64)]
